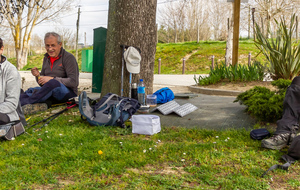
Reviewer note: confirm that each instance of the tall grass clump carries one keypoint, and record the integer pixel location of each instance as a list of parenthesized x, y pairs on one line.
[(254, 72), (282, 52)]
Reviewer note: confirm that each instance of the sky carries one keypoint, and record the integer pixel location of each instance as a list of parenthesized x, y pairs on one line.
[(93, 14)]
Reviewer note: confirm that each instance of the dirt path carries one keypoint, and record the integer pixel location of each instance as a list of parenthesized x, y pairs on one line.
[(189, 55)]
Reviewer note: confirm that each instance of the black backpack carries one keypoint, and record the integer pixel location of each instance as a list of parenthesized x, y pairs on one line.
[(291, 157), (110, 110)]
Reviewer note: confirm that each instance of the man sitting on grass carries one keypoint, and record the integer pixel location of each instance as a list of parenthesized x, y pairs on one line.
[(58, 79), (288, 125)]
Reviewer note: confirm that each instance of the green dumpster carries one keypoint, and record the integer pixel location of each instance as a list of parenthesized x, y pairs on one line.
[(98, 58), (87, 61)]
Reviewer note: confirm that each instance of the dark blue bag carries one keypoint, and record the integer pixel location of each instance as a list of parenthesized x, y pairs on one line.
[(259, 134), (164, 95)]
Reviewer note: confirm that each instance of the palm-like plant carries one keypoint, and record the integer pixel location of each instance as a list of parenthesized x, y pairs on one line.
[(282, 51)]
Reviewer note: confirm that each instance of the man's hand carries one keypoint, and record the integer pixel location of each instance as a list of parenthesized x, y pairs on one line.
[(44, 79), (35, 72)]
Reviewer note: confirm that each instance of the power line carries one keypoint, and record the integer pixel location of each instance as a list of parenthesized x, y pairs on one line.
[(86, 24), (95, 11), (168, 1)]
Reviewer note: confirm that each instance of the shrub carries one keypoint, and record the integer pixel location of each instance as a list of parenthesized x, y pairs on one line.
[(264, 104)]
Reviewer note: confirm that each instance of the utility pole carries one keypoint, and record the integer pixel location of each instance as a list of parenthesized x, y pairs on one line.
[(77, 31), (85, 39), (63, 41)]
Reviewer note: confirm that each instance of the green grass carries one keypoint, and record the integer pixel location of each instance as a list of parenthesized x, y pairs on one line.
[(200, 54), (37, 60), (64, 155), (171, 56)]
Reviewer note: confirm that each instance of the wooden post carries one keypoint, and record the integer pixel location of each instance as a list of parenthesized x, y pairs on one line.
[(249, 59), (236, 31), (212, 61), (183, 65), (159, 65)]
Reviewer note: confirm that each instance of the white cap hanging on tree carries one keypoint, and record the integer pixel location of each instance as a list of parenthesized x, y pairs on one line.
[(133, 59)]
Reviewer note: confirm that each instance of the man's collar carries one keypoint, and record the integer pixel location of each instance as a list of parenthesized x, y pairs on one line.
[(2, 59)]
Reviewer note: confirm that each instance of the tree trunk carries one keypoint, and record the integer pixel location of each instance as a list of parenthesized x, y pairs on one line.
[(175, 34), (18, 57), (228, 55), (131, 23), (21, 56), (229, 43)]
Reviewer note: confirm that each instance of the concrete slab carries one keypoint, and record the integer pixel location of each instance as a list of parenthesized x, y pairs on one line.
[(214, 112)]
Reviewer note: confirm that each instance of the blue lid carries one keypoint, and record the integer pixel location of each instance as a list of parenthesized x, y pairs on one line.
[(141, 79)]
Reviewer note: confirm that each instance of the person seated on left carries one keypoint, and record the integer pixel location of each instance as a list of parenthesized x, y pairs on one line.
[(58, 79), (10, 88)]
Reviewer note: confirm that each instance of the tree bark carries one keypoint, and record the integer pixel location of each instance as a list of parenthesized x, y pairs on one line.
[(131, 23), (228, 55), (21, 56)]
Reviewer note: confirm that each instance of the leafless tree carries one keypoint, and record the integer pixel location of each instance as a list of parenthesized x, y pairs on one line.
[(213, 15), (4, 31), (7, 38), (173, 17), (23, 15), (68, 37), (37, 44), (184, 20), (268, 10), (197, 15), (218, 18)]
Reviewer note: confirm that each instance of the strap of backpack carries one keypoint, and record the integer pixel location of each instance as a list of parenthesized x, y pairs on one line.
[(95, 107), (121, 113), (117, 107), (276, 166), (289, 160), (109, 98)]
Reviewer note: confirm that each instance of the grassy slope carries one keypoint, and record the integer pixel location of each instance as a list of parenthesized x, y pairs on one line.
[(200, 56), (171, 55)]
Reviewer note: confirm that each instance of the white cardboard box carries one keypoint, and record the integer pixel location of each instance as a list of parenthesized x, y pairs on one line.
[(145, 124)]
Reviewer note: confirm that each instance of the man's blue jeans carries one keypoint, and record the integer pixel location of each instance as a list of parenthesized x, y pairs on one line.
[(52, 89)]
